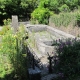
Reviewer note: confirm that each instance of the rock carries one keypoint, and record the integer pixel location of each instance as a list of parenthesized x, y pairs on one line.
[(15, 23)]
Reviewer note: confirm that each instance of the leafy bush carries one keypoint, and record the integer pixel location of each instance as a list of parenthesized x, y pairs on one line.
[(41, 15), (6, 26), (69, 56), (72, 4), (21, 8), (64, 8), (4, 30), (54, 5), (43, 3), (11, 49), (78, 19), (7, 21)]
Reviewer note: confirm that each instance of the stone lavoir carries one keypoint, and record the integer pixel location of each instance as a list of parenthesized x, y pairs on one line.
[(46, 36), (44, 39)]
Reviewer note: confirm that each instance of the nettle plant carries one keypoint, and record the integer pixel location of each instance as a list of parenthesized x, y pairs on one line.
[(69, 56)]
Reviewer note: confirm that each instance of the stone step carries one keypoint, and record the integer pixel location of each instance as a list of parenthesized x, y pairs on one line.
[(49, 76)]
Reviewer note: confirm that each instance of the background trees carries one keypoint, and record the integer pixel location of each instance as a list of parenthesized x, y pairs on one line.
[(19, 7), (24, 8)]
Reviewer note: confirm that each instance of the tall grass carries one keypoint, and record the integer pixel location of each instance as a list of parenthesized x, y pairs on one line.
[(68, 22), (64, 19), (12, 56)]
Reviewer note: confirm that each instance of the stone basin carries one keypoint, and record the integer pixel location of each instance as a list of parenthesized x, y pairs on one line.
[(44, 41), (45, 36), (44, 48)]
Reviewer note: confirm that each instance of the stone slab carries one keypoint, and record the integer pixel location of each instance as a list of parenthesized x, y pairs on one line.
[(44, 45), (59, 33), (34, 71), (15, 23), (43, 41), (36, 28)]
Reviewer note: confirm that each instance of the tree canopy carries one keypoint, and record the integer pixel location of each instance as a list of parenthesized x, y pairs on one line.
[(26, 7), (16, 7)]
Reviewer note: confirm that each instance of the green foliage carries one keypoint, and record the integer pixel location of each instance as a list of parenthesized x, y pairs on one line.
[(64, 19), (72, 4), (5, 50), (78, 19), (2, 7), (6, 26), (4, 30), (19, 7), (24, 8), (43, 3), (53, 5), (7, 21), (64, 8), (69, 56), (12, 54), (3, 12), (41, 15), (56, 5)]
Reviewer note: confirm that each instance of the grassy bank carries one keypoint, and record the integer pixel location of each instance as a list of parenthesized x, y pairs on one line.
[(68, 22)]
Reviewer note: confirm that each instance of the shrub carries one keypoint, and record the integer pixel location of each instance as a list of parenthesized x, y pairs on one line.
[(69, 56), (11, 50), (78, 19), (4, 30), (41, 15), (63, 19), (64, 8), (7, 21)]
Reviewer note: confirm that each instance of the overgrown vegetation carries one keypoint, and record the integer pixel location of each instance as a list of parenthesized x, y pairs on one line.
[(24, 8), (66, 19), (42, 13), (21, 8), (12, 46), (69, 58), (40, 16), (63, 19), (78, 19), (13, 59)]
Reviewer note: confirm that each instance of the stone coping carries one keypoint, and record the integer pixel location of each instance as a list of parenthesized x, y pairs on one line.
[(50, 29), (41, 41), (35, 28), (60, 32)]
